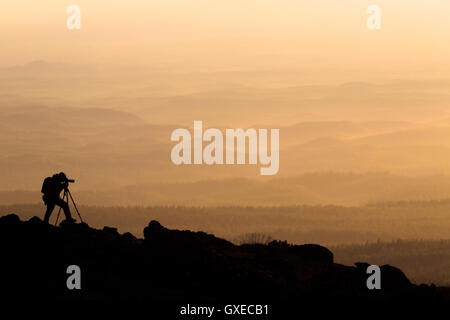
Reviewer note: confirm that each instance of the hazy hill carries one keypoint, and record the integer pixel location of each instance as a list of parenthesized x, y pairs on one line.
[(331, 224), (165, 95), (109, 127), (108, 149)]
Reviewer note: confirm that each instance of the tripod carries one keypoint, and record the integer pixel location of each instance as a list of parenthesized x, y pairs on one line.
[(66, 198)]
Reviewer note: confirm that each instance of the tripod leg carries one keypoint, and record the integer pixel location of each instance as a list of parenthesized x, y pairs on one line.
[(57, 217), (59, 211), (75, 206)]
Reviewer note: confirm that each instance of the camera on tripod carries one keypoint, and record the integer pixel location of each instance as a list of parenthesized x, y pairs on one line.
[(66, 196), (65, 182)]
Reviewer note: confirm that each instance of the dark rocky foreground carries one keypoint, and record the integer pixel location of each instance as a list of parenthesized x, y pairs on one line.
[(171, 266)]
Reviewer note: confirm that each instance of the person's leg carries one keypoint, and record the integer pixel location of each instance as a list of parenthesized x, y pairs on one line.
[(48, 212), (65, 206)]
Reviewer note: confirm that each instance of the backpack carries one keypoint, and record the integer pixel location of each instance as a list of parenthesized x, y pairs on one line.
[(46, 185)]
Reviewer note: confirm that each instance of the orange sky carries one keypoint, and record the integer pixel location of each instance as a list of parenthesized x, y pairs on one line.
[(415, 35)]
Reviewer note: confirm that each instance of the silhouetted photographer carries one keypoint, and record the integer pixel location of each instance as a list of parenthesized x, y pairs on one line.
[(51, 188)]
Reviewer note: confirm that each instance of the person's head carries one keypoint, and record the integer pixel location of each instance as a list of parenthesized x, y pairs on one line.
[(62, 176)]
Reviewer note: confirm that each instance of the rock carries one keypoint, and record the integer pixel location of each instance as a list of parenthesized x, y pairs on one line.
[(9, 219), (172, 264), (35, 220), (127, 236), (111, 233), (314, 252), (157, 234), (393, 279), (153, 227)]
